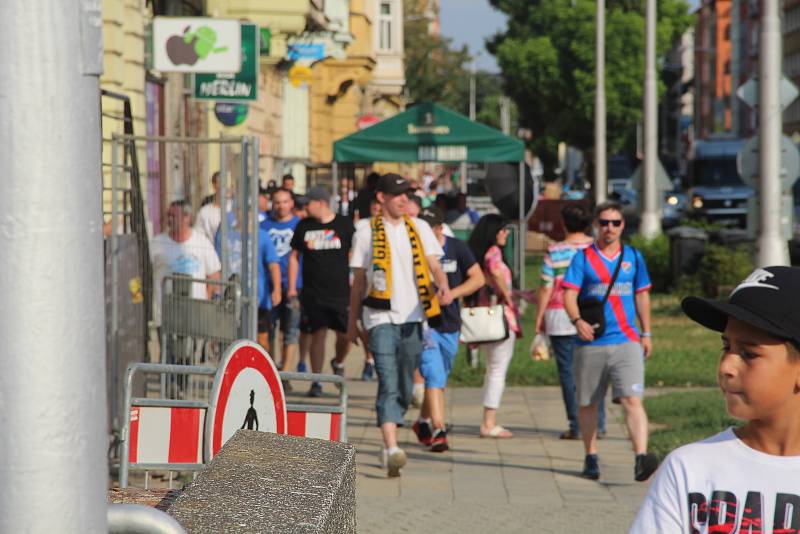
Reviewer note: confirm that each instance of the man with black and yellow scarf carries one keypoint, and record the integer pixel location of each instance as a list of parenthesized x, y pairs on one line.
[(395, 263)]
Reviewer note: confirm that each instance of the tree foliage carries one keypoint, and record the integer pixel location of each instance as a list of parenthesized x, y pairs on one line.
[(547, 59), (435, 72)]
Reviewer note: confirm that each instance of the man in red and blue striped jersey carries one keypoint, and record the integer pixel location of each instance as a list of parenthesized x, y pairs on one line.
[(615, 353)]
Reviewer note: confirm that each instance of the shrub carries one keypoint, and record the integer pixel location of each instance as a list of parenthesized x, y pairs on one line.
[(722, 268), (657, 257)]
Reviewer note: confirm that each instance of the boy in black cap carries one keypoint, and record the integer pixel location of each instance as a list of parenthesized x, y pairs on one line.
[(745, 479)]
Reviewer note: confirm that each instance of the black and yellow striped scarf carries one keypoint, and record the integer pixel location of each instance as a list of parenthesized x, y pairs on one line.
[(380, 291)]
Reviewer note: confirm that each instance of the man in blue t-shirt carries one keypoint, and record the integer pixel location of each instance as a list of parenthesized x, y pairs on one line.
[(617, 353), (269, 274), (464, 276), (280, 224)]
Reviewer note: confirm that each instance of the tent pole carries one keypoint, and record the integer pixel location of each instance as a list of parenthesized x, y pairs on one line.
[(335, 186), (522, 233), (462, 177)]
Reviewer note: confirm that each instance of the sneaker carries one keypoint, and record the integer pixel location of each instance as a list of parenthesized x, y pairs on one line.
[(395, 462), (315, 390), (646, 465), (287, 386), (423, 431), (368, 374), (418, 395), (439, 441), (570, 434), (338, 368), (301, 367), (591, 469)]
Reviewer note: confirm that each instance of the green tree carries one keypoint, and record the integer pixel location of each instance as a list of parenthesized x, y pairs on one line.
[(435, 72), (547, 59)]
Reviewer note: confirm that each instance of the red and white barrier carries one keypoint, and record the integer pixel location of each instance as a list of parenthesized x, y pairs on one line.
[(314, 425), (166, 435)]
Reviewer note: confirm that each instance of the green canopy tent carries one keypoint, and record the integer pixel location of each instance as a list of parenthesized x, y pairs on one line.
[(428, 132)]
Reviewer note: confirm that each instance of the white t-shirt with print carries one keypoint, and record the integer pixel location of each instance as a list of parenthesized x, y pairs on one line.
[(722, 485), (406, 307), (194, 257)]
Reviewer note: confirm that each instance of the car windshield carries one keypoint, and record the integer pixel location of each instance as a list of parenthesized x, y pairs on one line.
[(712, 172)]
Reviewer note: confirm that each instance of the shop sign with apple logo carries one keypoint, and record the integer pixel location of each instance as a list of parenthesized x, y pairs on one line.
[(196, 44)]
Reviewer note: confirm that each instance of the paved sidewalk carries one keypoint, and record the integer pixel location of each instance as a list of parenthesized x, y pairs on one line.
[(530, 483)]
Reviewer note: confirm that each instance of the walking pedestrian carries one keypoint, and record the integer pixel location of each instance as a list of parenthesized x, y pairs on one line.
[(280, 224), (552, 319), (323, 242), (486, 242), (287, 182), (209, 215), (392, 262), (606, 288), (464, 277)]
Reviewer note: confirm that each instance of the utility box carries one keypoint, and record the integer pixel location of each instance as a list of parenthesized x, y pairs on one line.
[(687, 245)]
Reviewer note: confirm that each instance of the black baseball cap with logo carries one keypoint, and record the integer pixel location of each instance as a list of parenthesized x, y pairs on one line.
[(393, 184), (432, 215), (767, 300)]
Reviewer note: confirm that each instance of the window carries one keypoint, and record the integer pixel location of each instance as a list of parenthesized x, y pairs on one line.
[(385, 26)]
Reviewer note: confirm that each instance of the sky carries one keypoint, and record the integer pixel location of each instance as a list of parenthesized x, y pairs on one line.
[(470, 22)]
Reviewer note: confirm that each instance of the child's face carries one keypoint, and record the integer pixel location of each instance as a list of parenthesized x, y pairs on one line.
[(755, 373)]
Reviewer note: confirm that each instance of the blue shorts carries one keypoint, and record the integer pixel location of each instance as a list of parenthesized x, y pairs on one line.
[(438, 354)]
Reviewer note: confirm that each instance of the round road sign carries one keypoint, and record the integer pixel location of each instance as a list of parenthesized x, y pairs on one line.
[(247, 394), (747, 162)]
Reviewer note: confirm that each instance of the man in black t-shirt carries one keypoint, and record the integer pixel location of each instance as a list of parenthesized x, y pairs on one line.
[(464, 276), (323, 239)]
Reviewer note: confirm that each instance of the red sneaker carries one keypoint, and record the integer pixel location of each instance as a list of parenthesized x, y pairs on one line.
[(423, 431), (439, 441)]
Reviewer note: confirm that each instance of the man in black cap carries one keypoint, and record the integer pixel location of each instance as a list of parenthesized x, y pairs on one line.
[(743, 479), (393, 259), (323, 241), (464, 276)]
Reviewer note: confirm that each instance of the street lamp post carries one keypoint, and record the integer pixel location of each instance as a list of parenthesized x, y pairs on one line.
[(772, 249), (600, 106), (650, 222)]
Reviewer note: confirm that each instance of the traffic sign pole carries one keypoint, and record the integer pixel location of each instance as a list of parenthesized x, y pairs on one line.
[(772, 249), (650, 225)]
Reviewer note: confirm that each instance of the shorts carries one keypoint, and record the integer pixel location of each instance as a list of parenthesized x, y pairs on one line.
[(595, 365), (438, 354), (316, 314), (264, 321), (288, 314)]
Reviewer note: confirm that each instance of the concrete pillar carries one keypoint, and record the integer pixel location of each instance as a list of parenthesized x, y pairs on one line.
[(52, 388)]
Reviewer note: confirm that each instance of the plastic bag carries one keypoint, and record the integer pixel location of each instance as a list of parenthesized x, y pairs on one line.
[(540, 348)]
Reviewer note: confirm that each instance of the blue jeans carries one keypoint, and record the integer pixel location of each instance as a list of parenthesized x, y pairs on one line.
[(396, 349), (563, 347)]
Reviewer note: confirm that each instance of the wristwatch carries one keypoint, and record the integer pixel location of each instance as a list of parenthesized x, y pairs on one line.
[(575, 320)]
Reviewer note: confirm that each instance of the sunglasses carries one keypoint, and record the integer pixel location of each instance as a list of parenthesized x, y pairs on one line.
[(605, 222)]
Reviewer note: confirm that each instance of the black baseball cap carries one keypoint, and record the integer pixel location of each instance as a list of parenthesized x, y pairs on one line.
[(767, 300), (432, 215), (393, 184), (318, 192)]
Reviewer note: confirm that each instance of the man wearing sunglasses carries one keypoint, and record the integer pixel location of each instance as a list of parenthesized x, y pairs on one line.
[(606, 288)]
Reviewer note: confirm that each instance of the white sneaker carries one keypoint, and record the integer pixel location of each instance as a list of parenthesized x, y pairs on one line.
[(395, 462), (418, 395)]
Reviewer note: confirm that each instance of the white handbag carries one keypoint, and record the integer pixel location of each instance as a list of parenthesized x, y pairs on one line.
[(483, 324)]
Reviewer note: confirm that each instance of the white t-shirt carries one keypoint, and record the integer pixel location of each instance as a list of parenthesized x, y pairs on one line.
[(208, 220), (194, 257), (722, 485), (405, 298)]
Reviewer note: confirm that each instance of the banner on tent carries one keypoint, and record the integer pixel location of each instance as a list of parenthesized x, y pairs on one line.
[(442, 152)]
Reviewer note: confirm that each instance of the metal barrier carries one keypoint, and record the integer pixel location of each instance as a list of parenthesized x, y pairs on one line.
[(185, 420)]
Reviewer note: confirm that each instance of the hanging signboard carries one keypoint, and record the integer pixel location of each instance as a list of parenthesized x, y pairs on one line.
[(196, 44), (240, 86)]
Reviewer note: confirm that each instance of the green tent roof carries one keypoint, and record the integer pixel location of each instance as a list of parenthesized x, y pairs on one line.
[(428, 132)]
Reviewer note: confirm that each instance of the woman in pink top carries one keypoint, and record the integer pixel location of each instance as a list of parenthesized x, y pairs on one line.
[(486, 242)]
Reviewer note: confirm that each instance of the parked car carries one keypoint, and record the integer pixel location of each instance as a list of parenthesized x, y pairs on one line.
[(716, 192)]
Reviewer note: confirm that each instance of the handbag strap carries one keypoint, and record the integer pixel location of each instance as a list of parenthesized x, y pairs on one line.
[(616, 273)]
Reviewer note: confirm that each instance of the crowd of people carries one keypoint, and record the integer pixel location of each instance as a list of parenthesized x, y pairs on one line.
[(381, 268)]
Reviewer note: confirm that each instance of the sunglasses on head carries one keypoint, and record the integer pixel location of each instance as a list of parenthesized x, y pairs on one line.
[(605, 222)]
